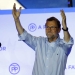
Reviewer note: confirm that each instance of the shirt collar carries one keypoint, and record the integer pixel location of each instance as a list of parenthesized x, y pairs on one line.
[(55, 43)]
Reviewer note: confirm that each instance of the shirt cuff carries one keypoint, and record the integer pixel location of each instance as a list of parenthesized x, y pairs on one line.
[(71, 41), (22, 36)]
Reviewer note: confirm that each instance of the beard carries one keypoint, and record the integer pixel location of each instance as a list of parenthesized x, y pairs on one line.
[(52, 37)]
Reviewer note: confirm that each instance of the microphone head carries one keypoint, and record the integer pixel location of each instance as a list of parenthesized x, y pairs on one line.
[(0, 44)]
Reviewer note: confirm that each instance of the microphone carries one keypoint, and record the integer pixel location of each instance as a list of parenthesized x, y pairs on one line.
[(0, 44), (70, 3)]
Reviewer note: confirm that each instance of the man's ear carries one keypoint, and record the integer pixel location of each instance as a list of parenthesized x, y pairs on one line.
[(59, 30)]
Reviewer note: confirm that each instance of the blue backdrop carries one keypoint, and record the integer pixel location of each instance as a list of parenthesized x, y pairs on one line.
[(30, 4)]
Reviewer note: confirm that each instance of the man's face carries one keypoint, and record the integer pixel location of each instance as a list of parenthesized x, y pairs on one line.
[(52, 29)]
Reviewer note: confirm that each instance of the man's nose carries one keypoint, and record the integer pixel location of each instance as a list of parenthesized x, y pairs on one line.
[(49, 29)]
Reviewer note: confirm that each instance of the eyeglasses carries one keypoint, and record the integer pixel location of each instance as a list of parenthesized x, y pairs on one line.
[(52, 27)]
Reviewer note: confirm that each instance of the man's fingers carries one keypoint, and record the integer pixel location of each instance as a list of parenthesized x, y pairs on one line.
[(20, 9), (14, 7), (62, 12)]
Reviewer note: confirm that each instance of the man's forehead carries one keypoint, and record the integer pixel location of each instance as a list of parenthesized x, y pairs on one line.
[(51, 23)]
